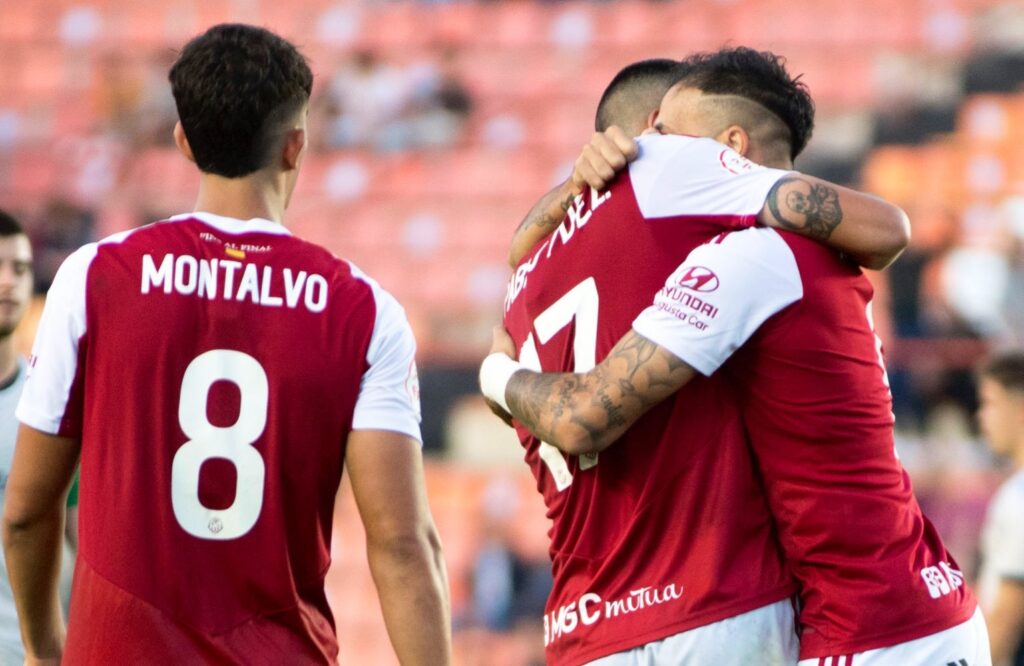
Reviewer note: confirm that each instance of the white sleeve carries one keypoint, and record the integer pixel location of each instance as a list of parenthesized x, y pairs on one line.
[(678, 175), (54, 363), (389, 395), (1007, 556), (720, 295)]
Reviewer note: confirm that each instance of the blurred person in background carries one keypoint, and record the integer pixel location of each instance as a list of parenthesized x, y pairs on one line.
[(227, 372), (366, 99), (15, 295), (1001, 582), (441, 106)]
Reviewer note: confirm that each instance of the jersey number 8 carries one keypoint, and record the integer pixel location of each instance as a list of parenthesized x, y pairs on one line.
[(233, 443)]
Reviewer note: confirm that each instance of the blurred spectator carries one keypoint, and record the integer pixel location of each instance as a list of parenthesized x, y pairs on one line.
[(365, 99), (16, 292), (443, 105), (1013, 305), (922, 318), (60, 229), (385, 107), (133, 99), (508, 588), (1001, 588)]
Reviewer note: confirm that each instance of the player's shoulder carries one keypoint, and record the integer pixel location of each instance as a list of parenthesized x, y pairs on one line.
[(386, 304), (758, 255), (697, 176), (752, 243), (658, 151)]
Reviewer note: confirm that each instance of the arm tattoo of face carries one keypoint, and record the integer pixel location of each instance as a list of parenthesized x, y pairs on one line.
[(808, 208), (600, 404)]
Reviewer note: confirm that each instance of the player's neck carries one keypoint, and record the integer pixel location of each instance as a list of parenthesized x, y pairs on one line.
[(8, 359), (1018, 458), (242, 198)]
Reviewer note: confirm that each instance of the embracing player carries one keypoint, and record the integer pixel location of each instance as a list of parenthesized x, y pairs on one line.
[(877, 585), (216, 373), (653, 512)]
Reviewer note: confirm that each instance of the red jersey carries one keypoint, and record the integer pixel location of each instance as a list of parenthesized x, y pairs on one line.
[(213, 369), (667, 530), (814, 395)]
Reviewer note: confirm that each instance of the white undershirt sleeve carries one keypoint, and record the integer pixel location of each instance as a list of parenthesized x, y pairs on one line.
[(1007, 555), (720, 295), (54, 362), (389, 393)]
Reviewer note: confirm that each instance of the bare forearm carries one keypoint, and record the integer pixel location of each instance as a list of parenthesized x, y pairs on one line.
[(32, 551), (1006, 622), (542, 219), (412, 583), (868, 229), (585, 413)]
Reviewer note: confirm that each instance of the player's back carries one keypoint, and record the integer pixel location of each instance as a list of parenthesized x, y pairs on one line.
[(222, 364), (815, 397), (668, 529)]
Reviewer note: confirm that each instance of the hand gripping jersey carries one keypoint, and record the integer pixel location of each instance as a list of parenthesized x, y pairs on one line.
[(815, 399), (213, 369), (667, 530)]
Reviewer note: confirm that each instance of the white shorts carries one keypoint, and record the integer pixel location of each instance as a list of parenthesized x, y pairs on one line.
[(765, 636), (965, 644)]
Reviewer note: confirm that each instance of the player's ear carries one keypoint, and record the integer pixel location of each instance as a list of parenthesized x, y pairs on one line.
[(181, 141), (652, 118), (736, 138), (294, 145)]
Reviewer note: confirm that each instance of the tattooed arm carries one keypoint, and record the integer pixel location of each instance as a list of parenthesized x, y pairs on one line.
[(607, 154), (586, 412), (542, 219), (872, 231)]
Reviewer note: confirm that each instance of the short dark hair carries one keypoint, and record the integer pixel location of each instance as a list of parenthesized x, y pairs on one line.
[(234, 86), (637, 88), (9, 226), (761, 77), (1006, 369)]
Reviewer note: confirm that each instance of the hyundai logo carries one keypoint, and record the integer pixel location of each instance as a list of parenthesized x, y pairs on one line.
[(698, 278)]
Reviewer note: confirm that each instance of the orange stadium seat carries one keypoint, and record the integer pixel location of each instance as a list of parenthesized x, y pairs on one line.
[(22, 22), (515, 25), (33, 175)]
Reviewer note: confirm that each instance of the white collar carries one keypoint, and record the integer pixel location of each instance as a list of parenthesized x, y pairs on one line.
[(233, 225)]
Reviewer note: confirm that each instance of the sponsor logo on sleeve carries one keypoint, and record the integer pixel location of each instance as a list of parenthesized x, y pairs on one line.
[(699, 278), (686, 299), (735, 163)]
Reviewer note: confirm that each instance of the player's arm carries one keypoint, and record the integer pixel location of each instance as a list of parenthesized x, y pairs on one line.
[(870, 230), (33, 521), (581, 413), (402, 544), (756, 276), (385, 464), (607, 153), (1006, 621)]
